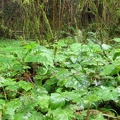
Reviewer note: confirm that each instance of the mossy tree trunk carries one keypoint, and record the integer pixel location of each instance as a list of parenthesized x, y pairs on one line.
[(47, 19)]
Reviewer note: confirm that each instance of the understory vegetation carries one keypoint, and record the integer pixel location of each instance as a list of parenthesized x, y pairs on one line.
[(59, 59), (65, 81)]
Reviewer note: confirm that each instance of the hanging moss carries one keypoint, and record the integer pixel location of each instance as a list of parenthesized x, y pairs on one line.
[(40, 19)]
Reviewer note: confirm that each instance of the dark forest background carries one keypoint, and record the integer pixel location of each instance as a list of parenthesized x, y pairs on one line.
[(54, 19)]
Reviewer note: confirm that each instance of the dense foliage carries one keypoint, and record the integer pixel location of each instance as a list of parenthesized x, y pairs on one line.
[(66, 81), (72, 72)]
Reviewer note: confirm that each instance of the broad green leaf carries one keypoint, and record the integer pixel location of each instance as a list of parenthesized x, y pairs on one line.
[(35, 58), (95, 47), (42, 70), (60, 58), (2, 81), (28, 47), (56, 101), (62, 82), (14, 104), (72, 96), (41, 90), (43, 58), (2, 104), (72, 83), (96, 115), (117, 40), (91, 98), (8, 81), (51, 81), (43, 102), (60, 114), (10, 112), (75, 47), (110, 93), (5, 60), (116, 54), (25, 85), (12, 88), (11, 107), (73, 59), (29, 116), (85, 48), (61, 43), (36, 116), (106, 47), (109, 70), (18, 67), (102, 93), (77, 82), (62, 73)]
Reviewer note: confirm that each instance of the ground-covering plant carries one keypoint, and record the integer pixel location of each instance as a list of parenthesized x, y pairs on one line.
[(65, 81)]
